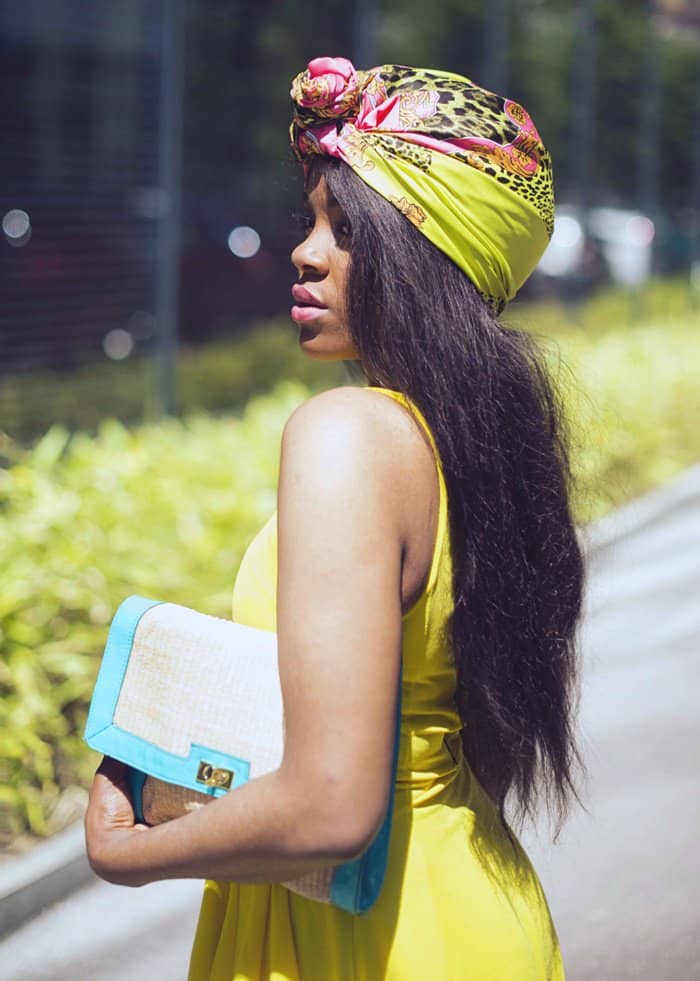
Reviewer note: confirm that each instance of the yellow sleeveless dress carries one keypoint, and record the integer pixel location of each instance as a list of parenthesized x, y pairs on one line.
[(457, 903)]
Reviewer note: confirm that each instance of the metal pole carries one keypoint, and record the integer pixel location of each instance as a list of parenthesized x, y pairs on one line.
[(650, 119), (170, 181), (363, 35), (582, 133), (695, 198), (495, 64)]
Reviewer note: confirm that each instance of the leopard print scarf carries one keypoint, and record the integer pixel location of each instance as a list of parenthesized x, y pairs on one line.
[(465, 166)]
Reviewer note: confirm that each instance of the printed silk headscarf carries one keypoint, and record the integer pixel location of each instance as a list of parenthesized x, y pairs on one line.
[(465, 166)]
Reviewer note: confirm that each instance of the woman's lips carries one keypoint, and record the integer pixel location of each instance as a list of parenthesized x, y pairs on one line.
[(307, 306), (302, 314), (302, 295)]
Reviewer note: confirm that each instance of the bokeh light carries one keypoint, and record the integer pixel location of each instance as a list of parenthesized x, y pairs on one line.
[(244, 242), (640, 230), (141, 325), (118, 344), (564, 252), (17, 227)]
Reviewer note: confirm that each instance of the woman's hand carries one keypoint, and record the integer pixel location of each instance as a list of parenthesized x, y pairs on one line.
[(110, 824)]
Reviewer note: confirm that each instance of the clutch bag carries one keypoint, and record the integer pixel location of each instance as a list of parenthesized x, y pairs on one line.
[(192, 705)]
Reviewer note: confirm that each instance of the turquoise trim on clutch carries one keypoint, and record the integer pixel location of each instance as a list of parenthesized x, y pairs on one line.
[(159, 763), (136, 779), (356, 885), (114, 664), (104, 736)]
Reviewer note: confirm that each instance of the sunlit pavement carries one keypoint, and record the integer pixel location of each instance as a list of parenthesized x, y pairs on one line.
[(108, 933), (622, 882)]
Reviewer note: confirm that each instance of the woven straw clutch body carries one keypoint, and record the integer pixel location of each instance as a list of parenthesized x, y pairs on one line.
[(192, 704)]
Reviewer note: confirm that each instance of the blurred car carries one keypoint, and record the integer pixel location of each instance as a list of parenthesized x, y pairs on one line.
[(608, 245)]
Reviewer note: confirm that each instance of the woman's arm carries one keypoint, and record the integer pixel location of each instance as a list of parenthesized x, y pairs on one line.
[(339, 638)]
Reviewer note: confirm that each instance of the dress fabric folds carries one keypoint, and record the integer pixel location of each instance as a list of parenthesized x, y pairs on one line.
[(459, 903)]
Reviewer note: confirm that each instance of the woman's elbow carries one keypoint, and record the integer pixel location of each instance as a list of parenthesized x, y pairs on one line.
[(341, 824), (331, 818), (350, 837)]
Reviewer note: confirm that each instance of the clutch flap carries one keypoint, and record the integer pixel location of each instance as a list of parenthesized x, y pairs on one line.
[(188, 698)]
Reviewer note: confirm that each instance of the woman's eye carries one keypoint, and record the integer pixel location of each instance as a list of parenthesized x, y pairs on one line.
[(342, 229), (306, 223)]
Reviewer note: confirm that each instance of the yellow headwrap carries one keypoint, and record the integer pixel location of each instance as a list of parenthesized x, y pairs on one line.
[(409, 132)]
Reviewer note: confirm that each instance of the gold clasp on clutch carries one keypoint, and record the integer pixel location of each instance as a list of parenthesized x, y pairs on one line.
[(214, 776)]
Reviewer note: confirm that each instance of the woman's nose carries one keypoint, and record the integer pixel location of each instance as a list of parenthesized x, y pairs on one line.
[(309, 255)]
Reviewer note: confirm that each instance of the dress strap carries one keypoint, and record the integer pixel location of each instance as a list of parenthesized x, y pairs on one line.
[(442, 507), (412, 407)]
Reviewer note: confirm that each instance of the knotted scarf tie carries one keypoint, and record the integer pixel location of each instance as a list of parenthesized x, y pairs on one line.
[(466, 166)]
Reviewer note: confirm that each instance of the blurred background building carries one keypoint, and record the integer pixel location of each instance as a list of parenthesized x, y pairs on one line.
[(146, 186)]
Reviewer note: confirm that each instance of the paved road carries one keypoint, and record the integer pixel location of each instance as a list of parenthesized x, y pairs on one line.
[(623, 880)]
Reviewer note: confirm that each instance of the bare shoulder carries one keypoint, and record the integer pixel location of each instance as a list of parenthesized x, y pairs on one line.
[(363, 420), (357, 461), (362, 452)]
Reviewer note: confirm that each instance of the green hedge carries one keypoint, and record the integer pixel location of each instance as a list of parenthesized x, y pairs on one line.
[(166, 510), (627, 368), (219, 377)]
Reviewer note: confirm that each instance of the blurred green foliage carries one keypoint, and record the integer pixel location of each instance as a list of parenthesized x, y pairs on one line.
[(166, 509), (219, 377), (249, 46), (626, 365), (163, 510)]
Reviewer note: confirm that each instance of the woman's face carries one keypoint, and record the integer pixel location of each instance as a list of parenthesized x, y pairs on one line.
[(322, 260)]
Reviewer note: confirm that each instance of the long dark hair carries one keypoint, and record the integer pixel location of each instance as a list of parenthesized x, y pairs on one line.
[(422, 328)]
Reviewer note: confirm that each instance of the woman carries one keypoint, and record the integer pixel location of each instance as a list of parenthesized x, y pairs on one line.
[(422, 521)]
